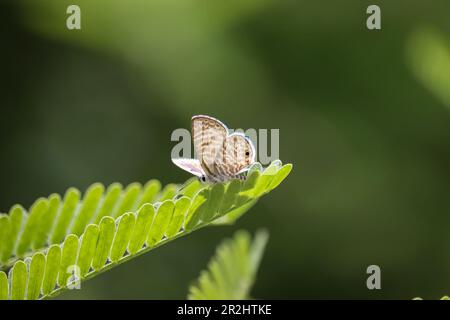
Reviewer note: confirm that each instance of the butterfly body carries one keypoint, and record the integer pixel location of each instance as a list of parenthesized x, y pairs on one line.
[(220, 156)]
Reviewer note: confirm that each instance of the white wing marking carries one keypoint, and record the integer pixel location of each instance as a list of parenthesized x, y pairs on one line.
[(190, 165)]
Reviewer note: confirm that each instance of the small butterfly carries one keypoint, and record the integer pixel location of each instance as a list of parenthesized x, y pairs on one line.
[(221, 156)]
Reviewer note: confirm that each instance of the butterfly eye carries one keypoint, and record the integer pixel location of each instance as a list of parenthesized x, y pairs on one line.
[(203, 178), (247, 153)]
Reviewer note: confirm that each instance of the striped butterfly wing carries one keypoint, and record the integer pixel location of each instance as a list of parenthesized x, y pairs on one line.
[(208, 135), (236, 155)]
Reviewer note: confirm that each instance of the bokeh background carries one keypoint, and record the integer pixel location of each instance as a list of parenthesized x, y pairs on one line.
[(364, 116)]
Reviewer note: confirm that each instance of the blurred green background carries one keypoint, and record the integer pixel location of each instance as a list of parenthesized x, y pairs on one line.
[(364, 116)]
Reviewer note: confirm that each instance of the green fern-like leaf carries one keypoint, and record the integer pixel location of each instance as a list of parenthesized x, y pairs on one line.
[(107, 227), (232, 271)]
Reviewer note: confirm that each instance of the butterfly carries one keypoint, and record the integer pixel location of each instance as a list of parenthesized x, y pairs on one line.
[(221, 156)]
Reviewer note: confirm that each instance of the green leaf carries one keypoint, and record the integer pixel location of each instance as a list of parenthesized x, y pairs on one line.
[(18, 276), (68, 259), (232, 271), (150, 192), (14, 226), (65, 216), (213, 203), (3, 286), (38, 209), (235, 213), (280, 176), (4, 233), (105, 239), (129, 199), (181, 209), (266, 178), (143, 223), (112, 197), (251, 181), (87, 211), (52, 264), (191, 187), (122, 238), (87, 248), (230, 196), (47, 220), (36, 275), (246, 192), (257, 250), (161, 222), (45, 243), (195, 211), (168, 192), (428, 56)]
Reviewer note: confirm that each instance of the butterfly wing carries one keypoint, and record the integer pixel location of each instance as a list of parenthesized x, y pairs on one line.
[(208, 135), (236, 155), (190, 165)]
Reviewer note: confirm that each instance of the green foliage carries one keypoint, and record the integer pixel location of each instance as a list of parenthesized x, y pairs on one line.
[(105, 228), (232, 271), (429, 57)]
